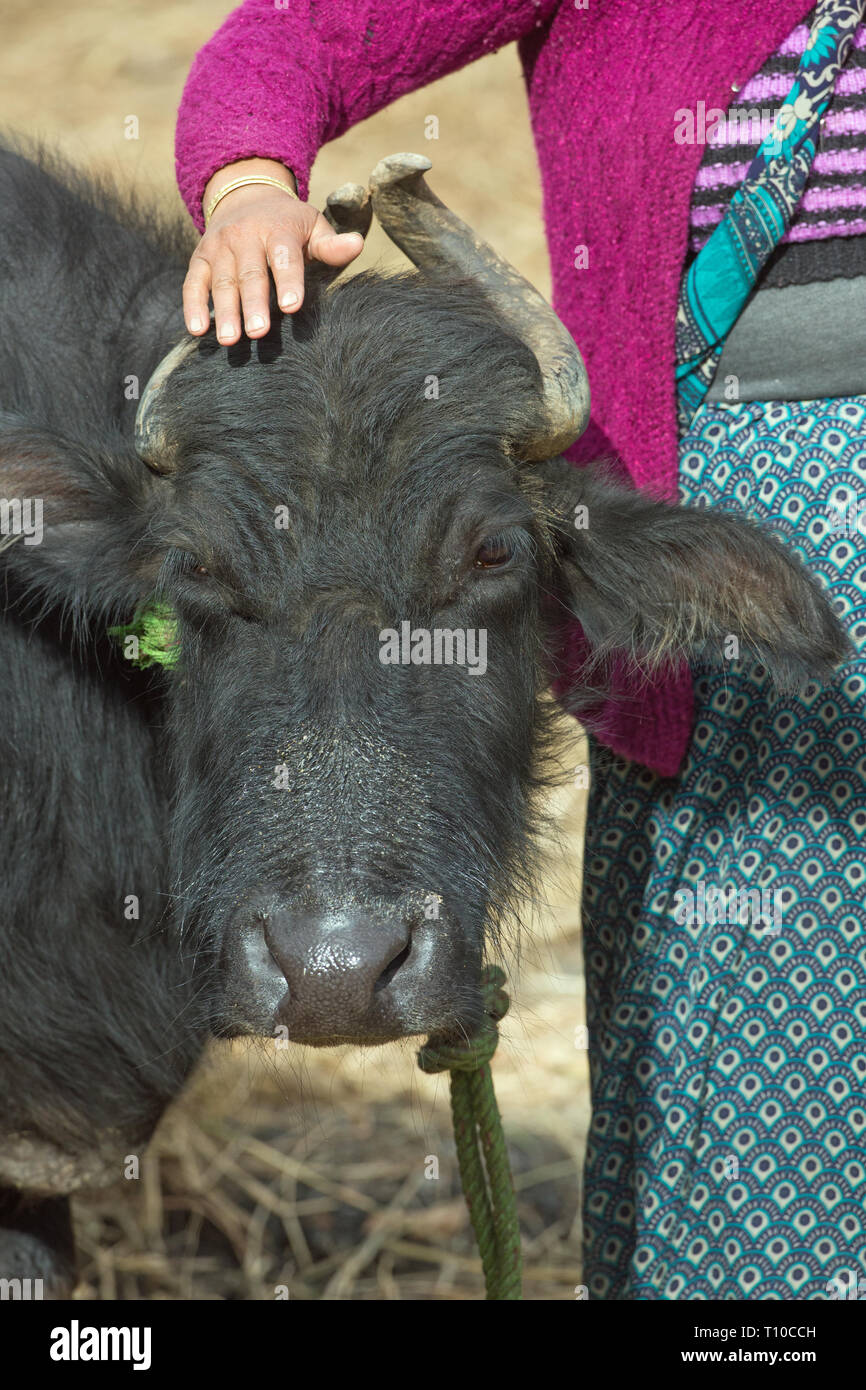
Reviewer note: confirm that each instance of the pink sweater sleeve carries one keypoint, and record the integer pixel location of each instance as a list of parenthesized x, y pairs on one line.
[(283, 77)]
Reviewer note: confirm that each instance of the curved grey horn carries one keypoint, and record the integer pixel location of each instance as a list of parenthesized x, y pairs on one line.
[(151, 443), (348, 209), (434, 237)]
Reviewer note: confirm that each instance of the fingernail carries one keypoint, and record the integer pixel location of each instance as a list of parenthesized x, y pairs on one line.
[(255, 322), (226, 330), (195, 325), (287, 299)]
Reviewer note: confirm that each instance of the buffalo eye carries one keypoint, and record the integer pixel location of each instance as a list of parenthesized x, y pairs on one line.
[(493, 553), (182, 566)]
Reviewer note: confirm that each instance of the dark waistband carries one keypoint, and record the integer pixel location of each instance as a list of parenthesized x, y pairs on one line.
[(796, 343), (801, 262)]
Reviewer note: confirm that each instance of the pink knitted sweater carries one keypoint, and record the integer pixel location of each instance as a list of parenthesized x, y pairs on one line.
[(283, 77)]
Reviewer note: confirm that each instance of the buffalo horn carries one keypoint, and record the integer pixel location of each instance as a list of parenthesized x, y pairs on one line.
[(434, 238)]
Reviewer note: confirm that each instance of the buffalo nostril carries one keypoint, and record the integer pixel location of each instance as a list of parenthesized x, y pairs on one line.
[(392, 967)]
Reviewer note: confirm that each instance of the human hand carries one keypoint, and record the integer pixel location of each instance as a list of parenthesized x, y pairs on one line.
[(257, 231)]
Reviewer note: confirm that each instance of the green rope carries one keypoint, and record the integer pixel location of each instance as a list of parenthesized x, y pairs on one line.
[(154, 628), (481, 1151)]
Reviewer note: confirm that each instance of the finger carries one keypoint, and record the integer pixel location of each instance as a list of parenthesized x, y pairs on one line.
[(287, 266), (226, 298), (196, 293), (334, 248), (255, 286)]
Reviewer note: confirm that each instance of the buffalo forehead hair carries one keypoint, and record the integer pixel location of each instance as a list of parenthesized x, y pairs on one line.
[(377, 374)]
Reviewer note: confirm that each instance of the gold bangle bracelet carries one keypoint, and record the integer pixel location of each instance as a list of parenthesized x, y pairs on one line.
[(240, 183)]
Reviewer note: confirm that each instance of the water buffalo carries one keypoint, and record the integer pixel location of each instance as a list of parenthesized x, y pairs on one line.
[(306, 821)]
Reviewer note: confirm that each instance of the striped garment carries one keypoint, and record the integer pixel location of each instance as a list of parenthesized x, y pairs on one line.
[(834, 202), (721, 278)]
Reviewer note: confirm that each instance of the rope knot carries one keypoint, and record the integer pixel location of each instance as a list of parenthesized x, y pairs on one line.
[(445, 1053)]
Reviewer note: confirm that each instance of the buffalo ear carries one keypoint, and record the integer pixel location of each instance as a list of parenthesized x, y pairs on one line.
[(71, 519), (661, 582)]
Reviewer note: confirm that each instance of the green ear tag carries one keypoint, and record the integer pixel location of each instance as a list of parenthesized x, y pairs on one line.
[(155, 629)]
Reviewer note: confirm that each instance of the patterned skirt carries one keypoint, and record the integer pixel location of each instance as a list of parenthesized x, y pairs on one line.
[(725, 930)]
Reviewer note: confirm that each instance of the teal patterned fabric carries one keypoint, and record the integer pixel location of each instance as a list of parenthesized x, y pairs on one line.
[(721, 278), (727, 1150)]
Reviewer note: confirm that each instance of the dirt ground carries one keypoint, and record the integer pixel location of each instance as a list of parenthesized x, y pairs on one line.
[(306, 1171)]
